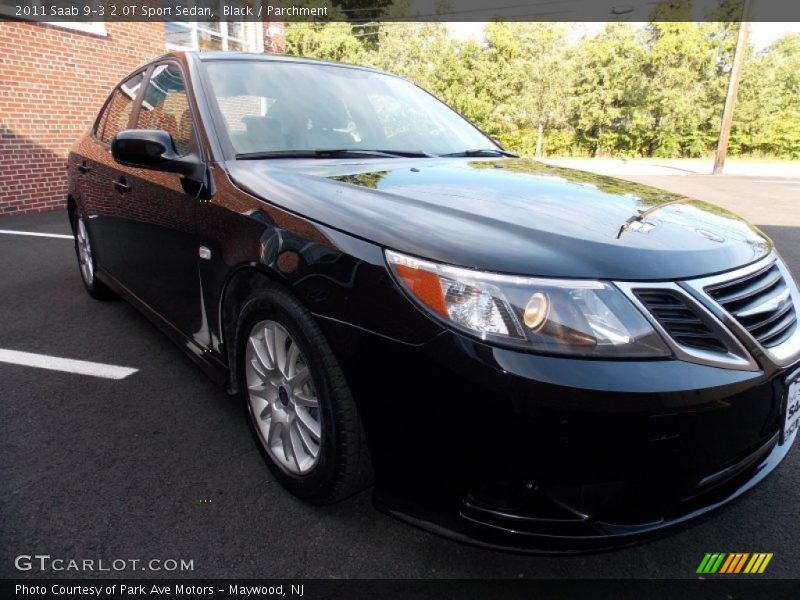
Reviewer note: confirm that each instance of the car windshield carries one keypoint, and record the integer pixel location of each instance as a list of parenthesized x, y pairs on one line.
[(275, 109)]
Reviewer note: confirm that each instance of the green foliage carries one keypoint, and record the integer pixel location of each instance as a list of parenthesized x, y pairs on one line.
[(608, 85), (767, 119), (325, 41), (626, 91), (679, 60)]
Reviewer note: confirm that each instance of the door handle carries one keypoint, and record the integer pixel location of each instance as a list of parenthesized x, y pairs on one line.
[(122, 185), (83, 168)]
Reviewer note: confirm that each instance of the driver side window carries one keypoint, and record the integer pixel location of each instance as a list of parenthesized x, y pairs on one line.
[(118, 111), (165, 105)]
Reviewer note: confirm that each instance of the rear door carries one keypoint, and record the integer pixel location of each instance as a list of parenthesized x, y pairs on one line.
[(158, 237)]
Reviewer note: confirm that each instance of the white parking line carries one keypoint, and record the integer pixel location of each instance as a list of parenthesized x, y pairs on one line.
[(777, 181), (67, 365), (33, 233)]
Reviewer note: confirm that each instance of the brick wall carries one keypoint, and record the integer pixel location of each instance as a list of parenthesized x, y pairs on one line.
[(52, 83)]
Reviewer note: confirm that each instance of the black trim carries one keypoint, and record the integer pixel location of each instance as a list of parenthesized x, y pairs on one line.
[(214, 369), (499, 533)]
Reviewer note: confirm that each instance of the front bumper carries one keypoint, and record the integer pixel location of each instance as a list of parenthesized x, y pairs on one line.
[(527, 452), (531, 518)]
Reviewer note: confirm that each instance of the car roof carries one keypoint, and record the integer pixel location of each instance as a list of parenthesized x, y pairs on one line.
[(262, 57)]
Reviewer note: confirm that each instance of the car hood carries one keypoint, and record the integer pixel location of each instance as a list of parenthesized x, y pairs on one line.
[(510, 215)]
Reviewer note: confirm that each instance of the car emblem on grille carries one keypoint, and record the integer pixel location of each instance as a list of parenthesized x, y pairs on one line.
[(710, 236)]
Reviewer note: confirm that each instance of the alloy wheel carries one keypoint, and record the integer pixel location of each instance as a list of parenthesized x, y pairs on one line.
[(85, 252), (283, 399)]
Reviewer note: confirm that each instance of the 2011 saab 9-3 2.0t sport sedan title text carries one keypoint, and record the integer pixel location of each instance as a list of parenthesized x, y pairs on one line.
[(517, 355)]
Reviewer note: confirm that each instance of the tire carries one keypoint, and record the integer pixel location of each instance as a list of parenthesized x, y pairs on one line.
[(87, 261), (307, 401)]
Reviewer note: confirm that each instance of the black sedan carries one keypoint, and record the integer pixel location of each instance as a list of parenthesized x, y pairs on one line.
[(516, 355)]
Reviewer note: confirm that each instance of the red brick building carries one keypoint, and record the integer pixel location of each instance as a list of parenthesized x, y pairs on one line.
[(55, 77)]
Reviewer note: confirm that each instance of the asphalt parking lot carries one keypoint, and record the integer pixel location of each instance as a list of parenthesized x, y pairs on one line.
[(160, 464)]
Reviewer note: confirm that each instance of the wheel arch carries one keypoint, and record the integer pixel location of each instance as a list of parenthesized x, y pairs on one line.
[(243, 283), (72, 206)]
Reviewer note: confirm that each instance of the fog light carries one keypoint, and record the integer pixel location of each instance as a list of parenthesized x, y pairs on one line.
[(536, 310)]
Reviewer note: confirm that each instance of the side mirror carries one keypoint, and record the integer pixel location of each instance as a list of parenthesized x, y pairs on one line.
[(153, 149)]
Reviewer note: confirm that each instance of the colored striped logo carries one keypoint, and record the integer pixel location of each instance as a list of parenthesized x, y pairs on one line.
[(734, 563)]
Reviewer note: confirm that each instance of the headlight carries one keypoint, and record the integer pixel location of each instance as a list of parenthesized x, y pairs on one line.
[(560, 316)]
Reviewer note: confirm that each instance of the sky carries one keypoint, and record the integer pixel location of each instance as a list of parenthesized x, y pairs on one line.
[(761, 34)]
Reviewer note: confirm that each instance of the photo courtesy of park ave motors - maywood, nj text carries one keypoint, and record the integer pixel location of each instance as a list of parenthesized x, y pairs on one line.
[(300, 298)]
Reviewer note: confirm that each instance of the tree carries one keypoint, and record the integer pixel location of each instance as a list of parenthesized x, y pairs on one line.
[(326, 41), (421, 52), (626, 91), (767, 120), (529, 77), (680, 63), (608, 90)]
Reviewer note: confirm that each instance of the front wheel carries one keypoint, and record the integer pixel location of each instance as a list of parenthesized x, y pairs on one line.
[(301, 412), (87, 261)]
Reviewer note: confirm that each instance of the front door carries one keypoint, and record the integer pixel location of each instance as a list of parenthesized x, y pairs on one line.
[(158, 237)]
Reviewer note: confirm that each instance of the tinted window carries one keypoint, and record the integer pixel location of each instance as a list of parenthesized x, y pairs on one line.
[(400, 118), (273, 106), (102, 122), (165, 105), (118, 111)]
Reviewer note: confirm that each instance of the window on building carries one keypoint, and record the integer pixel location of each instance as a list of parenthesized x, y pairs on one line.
[(165, 105), (117, 114), (241, 36), (84, 8), (213, 36)]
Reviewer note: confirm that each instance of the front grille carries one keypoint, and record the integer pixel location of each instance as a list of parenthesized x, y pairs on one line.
[(761, 302), (680, 320)]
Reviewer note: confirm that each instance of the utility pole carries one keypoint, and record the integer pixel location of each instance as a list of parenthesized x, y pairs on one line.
[(733, 90)]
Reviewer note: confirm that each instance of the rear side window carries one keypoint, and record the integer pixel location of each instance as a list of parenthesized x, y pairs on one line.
[(118, 112), (165, 105)]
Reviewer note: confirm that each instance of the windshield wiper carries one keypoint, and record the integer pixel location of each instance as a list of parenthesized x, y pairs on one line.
[(483, 152), (333, 153)]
